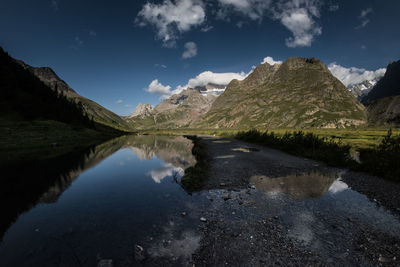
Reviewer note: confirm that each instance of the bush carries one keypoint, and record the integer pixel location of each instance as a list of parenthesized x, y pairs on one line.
[(383, 161)]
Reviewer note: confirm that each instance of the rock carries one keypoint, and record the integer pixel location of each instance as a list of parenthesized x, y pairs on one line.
[(139, 253), (183, 214), (226, 196), (222, 184), (105, 263), (203, 219), (384, 259)]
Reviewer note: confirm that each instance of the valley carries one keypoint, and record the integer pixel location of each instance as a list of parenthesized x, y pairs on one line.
[(186, 182)]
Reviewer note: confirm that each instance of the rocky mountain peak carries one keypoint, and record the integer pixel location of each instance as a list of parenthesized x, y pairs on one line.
[(293, 63), (48, 77), (389, 85), (299, 93), (142, 110)]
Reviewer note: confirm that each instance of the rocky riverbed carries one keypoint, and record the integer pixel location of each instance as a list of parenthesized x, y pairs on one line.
[(271, 208)]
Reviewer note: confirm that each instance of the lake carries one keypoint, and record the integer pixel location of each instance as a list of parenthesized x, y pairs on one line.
[(122, 201)]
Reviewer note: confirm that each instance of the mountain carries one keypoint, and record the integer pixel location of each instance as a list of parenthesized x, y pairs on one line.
[(362, 89), (298, 93), (211, 88), (177, 111), (389, 85), (25, 97), (384, 111), (383, 102), (142, 110), (99, 113)]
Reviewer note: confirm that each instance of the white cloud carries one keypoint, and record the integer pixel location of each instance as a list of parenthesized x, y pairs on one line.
[(270, 61), (157, 88), (92, 33), (298, 16), (217, 78), (119, 101), (254, 9), (128, 105), (353, 75), (363, 17), (167, 170), (190, 50), (171, 18), (202, 79)]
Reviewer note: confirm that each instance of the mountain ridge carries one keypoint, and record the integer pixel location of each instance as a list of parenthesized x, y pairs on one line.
[(97, 112), (299, 93)]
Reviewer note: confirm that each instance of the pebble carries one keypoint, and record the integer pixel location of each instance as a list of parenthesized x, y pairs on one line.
[(222, 184), (105, 263), (203, 219), (226, 196), (139, 253), (383, 259), (183, 213)]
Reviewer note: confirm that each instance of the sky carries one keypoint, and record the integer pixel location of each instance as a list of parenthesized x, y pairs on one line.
[(122, 53)]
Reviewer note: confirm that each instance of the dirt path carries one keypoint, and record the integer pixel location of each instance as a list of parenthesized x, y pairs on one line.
[(271, 208)]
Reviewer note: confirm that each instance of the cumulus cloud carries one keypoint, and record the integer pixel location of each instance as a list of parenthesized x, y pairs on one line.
[(202, 79), (157, 88), (270, 61), (254, 9), (217, 78), (353, 75), (171, 18), (298, 16), (119, 101), (190, 50), (167, 170), (363, 17)]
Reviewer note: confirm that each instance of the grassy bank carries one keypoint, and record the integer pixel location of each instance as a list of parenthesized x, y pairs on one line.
[(381, 160), (356, 138), (22, 141)]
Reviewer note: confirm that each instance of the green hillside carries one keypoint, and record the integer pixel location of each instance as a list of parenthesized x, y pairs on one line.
[(300, 93)]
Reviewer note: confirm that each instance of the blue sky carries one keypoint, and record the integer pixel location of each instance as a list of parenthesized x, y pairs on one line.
[(112, 52)]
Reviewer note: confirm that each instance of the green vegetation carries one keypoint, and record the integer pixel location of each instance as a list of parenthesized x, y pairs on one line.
[(38, 122), (299, 143), (22, 141), (357, 138), (25, 97), (194, 176), (300, 93), (382, 160)]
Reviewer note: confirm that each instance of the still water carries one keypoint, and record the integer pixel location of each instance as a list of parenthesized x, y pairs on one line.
[(122, 195), (122, 201)]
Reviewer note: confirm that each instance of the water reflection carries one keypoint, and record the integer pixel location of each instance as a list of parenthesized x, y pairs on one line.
[(23, 187), (300, 186)]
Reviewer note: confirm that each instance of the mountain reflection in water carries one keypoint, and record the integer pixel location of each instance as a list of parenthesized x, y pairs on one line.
[(300, 186), (23, 187)]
